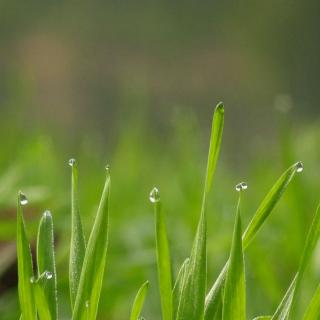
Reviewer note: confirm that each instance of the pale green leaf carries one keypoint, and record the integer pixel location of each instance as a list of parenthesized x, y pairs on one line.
[(313, 309), (42, 303), (139, 301)]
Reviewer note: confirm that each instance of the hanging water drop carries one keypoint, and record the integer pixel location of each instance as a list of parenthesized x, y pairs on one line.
[(299, 167), (47, 214), (108, 168), (87, 304), (23, 199), (72, 162), (32, 280), (48, 275), (241, 186), (154, 195)]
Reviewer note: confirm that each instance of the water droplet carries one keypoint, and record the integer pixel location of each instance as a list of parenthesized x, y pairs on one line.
[(241, 186), (23, 199), (154, 195), (299, 167), (47, 214), (87, 304), (72, 162), (48, 275), (32, 280), (108, 168)]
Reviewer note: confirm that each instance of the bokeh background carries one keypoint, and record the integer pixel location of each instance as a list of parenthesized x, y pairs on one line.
[(134, 84)]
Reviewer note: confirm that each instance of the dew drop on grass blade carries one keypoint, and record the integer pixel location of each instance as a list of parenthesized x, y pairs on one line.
[(163, 257), (77, 245), (25, 268), (191, 304), (213, 298), (94, 261), (313, 309), (46, 261), (234, 299), (139, 301), (288, 305)]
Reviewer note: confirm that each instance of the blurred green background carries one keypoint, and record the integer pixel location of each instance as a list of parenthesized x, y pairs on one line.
[(134, 84)]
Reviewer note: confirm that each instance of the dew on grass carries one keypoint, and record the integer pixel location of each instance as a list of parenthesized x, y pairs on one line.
[(48, 275), (47, 214), (241, 186), (87, 304), (154, 195), (23, 199), (299, 167), (107, 168), (72, 162)]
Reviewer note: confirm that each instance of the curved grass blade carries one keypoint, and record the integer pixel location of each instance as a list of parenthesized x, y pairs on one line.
[(139, 301), (191, 304), (46, 262), (42, 303), (77, 245), (288, 304), (313, 310), (177, 288), (25, 269), (234, 300), (213, 298), (87, 300), (163, 257), (263, 318)]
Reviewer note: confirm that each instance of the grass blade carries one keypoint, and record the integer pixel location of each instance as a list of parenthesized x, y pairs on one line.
[(263, 318), (25, 269), (163, 257), (234, 300), (191, 304), (77, 246), (213, 298), (177, 288), (286, 309), (87, 300), (139, 301), (313, 310), (42, 303), (46, 262)]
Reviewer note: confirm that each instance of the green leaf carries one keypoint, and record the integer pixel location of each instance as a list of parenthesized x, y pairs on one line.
[(163, 258), (234, 300), (288, 304), (77, 245), (191, 304), (42, 303), (213, 298), (178, 285), (139, 301), (87, 300), (46, 261), (25, 269), (262, 318), (313, 310)]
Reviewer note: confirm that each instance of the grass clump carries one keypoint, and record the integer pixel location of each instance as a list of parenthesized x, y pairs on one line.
[(188, 297)]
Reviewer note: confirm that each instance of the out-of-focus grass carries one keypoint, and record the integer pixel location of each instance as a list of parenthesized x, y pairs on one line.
[(139, 159)]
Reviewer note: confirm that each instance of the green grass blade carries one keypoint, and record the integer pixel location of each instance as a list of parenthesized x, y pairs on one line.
[(139, 301), (234, 300), (87, 300), (263, 318), (77, 245), (313, 309), (191, 304), (46, 261), (178, 285), (286, 309), (213, 298), (25, 268), (163, 257), (268, 203), (42, 303)]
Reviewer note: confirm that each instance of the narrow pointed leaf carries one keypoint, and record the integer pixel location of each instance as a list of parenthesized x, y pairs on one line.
[(46, 261), (287, 309), (234, 300), (313, 310), (87, 300), (139, 301), (191, 304), (25, 268), (269, 202), (263, 318), (177, 288), (163, 260), (77, 245)]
